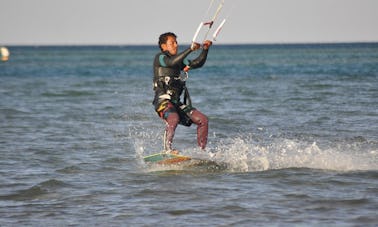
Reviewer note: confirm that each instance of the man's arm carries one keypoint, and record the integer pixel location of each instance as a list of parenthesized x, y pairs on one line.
[(172, 61), (201, 59)]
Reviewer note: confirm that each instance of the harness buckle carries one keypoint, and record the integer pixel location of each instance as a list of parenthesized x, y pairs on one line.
[(166, 80), (184, 76)]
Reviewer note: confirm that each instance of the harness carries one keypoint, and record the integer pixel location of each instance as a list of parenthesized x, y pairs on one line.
[(173, 86)]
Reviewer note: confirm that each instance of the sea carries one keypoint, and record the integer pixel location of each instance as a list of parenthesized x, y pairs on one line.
[(295, 127)]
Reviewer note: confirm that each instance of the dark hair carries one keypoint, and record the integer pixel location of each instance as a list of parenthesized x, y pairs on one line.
[(164, 37)]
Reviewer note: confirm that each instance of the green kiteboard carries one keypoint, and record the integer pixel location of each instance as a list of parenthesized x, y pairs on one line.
[(166, 158)]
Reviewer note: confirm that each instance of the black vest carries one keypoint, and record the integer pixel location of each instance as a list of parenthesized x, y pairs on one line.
[(167, 83)]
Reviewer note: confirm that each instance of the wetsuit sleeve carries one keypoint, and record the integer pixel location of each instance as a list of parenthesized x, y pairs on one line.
[(174, 61), (200, 60)]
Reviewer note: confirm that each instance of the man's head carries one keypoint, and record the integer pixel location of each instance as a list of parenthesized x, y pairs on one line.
[(168, 42)]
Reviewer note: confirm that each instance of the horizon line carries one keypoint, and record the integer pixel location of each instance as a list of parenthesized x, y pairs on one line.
[(220, 44)]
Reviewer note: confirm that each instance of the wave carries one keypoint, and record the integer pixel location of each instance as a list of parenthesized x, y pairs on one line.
[(10, 112), (40, 190), (68, 93), (70, 170)]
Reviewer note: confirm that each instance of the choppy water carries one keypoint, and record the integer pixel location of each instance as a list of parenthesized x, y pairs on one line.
[(296, 124)]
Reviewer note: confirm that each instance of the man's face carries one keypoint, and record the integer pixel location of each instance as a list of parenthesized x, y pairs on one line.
[(170, 45)]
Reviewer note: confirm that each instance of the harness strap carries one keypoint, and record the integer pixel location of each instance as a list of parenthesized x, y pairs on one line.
[(187, 100)]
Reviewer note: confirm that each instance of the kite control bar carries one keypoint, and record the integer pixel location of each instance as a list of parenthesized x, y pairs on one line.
[(209, 23)]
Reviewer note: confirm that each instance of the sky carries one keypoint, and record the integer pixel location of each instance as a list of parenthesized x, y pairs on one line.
[(139, 22)]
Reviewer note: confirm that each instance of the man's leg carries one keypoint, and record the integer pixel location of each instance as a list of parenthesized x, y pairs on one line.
[(201, 121), (171, 124)]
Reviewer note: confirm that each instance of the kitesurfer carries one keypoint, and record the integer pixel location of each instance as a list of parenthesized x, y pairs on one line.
[(170, 68)]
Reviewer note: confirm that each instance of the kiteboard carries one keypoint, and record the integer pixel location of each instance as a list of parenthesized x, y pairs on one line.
[(165, 158), (168, 159)]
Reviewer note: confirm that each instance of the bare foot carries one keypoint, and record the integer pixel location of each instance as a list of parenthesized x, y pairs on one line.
[(174, 151)]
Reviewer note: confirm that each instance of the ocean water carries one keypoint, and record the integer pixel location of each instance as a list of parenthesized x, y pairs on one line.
[(297, 126)]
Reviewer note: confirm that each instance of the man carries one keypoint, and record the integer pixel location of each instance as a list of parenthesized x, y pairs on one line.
[(169, 85)]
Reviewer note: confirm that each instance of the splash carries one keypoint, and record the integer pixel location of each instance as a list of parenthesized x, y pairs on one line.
[(246, 155), (242, 156)]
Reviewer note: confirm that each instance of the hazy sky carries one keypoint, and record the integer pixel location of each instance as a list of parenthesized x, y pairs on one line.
[(39, 22)]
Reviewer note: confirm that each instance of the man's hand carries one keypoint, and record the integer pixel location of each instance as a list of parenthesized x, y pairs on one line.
[(206, 44), (195, 46)]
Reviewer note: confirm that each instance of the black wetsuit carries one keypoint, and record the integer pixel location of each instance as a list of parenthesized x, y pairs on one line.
[(168, 87), (167, 69)]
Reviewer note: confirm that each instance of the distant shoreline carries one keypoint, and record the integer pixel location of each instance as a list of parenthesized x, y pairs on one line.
[(236, 45)]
